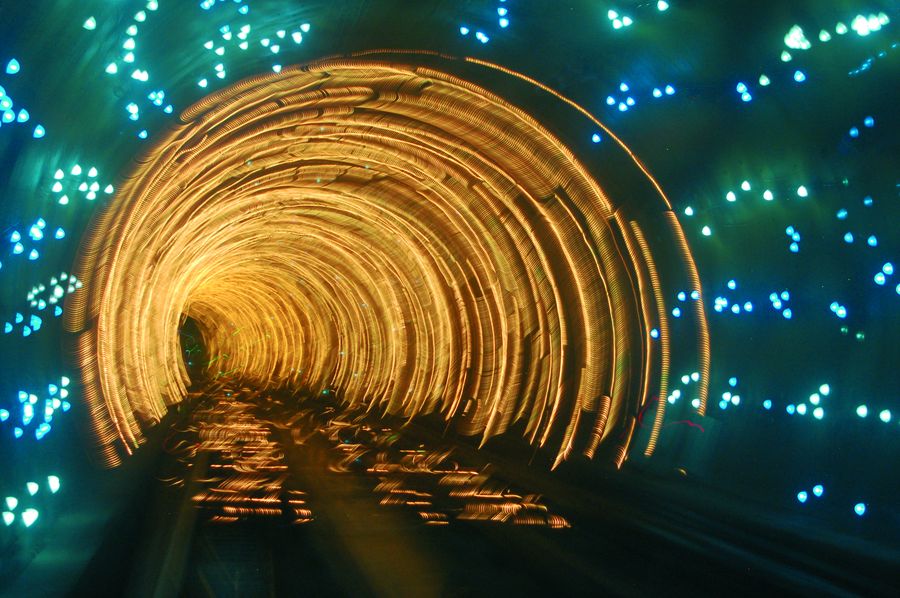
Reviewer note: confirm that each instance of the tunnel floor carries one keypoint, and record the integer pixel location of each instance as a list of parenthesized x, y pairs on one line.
[(272, 494)]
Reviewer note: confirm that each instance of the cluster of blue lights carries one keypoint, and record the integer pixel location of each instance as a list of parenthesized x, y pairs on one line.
[(819, 490), (241, 39), (28, 515), (884, 415), (686, 381), (10, 114), (79, 180), (683, 296), (59, 287), (36, 234), (868, 62), (626, 102), (55, 400), (503, 17), (868, 123), (721, 304)]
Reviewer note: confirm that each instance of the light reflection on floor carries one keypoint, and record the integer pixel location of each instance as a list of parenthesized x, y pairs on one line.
[(233, 450)]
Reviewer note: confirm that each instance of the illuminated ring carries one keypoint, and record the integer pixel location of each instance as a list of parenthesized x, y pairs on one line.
[(395, 236)]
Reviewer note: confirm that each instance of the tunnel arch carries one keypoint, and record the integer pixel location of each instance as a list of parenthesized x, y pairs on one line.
[(396, 235)]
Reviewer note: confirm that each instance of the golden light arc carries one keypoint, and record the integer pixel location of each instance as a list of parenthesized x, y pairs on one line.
[(396, 236)]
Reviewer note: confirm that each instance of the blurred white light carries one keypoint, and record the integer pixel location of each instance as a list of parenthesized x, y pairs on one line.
[(29, 516)]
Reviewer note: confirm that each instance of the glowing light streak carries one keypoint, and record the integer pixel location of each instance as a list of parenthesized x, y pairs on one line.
[(389, 245)]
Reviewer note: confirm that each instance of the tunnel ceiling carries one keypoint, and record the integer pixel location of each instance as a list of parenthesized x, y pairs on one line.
[(391, 235)]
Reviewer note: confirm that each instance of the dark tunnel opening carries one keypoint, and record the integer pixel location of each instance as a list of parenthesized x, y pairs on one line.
[(194, 353)]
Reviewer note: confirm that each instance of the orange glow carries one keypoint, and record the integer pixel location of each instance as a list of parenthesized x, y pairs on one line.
[(385, 234)]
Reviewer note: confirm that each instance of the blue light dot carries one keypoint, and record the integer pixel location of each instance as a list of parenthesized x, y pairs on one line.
[(799, 76), (785, 296), (13, 67), (854, 132), (872, 241), (464, 30), (504, 23), (741, 87), (732, 284), (746, 97), (869, 122), (623, 87), (623, 107), (767, 404), (676, 312), (802, 496), (695, 295), (595, 138), (842, 214), (39, 132), (868, 201), (736, 308), (682, 296), (795, 248), (841, 312), (880, 279), (657, 93), (670, 90), (860, 509), (818, 490), (848, 238), (790, 409), (654, 333), (788, 314), (610, 101), (862, 411), (732, 382), (630, 101)]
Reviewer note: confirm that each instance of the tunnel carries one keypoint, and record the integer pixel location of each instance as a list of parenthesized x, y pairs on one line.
[(452, 298)]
